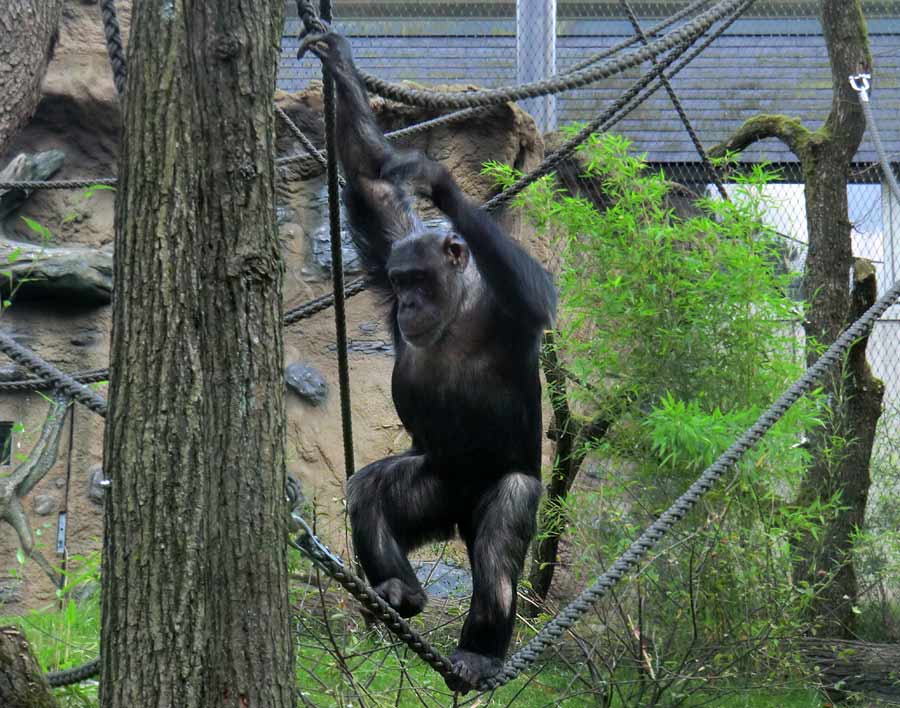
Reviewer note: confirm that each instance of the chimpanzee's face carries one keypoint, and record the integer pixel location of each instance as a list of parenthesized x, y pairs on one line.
[(426, 274)]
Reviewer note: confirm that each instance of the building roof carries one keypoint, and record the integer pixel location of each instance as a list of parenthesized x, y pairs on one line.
[(758, 66)]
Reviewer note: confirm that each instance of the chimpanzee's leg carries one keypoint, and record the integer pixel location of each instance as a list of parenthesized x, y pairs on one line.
[(497, 537), (397, 504)]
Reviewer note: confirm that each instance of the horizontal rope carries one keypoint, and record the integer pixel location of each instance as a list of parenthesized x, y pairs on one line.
[(77, 674), (554, 84)]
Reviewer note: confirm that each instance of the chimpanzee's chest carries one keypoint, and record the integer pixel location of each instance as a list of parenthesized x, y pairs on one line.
[(478, 409)]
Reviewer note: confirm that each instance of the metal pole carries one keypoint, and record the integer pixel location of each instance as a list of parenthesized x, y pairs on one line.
[(536, 55), (890, 217)]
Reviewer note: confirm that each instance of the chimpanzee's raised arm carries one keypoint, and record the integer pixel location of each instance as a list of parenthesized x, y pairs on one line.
[(379, 210), (521, 286)]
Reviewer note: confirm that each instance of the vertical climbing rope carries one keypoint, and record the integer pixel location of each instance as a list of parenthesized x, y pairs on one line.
[(114, 43), (337, 259)]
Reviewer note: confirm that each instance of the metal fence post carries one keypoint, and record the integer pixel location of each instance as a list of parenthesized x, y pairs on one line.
[(890, 217), (536, 55)]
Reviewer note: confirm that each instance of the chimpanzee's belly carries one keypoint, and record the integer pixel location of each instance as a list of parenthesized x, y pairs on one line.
[(470, 420)]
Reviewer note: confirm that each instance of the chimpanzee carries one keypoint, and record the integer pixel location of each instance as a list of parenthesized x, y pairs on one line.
[(467, 311)]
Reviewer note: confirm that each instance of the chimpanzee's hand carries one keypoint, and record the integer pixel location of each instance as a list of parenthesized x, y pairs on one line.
[(332, 48), (427, 176)]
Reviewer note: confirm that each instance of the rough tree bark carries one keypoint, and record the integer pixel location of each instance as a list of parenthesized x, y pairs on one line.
[(22, 684), (571, 439), (825, 156), (29, 30), (195, 601)]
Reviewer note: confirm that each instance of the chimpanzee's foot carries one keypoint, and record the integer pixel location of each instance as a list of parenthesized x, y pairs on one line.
[(470, 668), (401, 597)]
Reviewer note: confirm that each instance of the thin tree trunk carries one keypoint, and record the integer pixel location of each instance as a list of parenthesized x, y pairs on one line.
[(856, 407), (571, 442), (28, 32), (22, 684), (854, 395), (195, 601)]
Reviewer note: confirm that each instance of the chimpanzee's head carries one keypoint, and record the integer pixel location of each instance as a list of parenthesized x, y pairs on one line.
[(427, 274)]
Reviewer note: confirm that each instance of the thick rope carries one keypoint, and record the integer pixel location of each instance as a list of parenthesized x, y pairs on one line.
[(886, 169), (58, 183), (337, 257), (555, 84), (76, 674), (688, 9), (46, 371), (322, 303), (632, 98), (679, 108), (309, 544), (36, 384), (114, 43), (301, 136)]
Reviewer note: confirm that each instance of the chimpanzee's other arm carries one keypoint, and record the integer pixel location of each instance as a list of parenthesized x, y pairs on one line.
[(379, 210), (521, 286)]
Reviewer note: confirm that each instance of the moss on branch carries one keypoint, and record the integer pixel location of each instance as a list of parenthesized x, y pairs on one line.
[(799, 139)]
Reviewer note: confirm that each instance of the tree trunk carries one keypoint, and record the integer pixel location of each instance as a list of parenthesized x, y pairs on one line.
[(847, 667), (571, 438), (853, 394), (22, 684), (195, 601), (856, 397), (29, 30)]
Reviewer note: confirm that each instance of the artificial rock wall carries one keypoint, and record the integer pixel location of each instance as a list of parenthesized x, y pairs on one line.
[(79, 116)]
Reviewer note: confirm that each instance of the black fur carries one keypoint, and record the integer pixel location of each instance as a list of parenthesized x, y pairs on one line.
[(467, 313)]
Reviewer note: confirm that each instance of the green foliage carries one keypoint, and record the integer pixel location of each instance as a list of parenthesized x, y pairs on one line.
[(683, 330), (67, 634)]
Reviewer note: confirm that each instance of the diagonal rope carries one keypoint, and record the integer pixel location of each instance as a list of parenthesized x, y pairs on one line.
[(631, 99), (688, 9), (61, 381), (861, 84), (679, 108)]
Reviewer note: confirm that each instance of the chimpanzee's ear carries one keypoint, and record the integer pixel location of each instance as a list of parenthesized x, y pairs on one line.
[(457, 251)]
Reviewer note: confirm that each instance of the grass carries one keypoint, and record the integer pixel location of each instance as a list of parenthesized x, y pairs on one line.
[(339, 662)]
